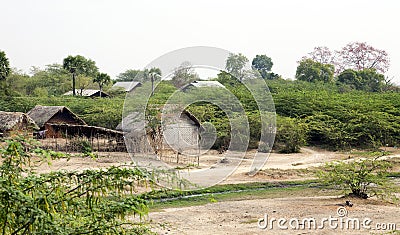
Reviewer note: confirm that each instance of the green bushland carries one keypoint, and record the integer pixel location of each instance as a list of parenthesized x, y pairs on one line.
[(319, 114)]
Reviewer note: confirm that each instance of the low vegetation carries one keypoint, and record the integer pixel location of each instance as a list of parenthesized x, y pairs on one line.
[(363, 178), (87, 202)]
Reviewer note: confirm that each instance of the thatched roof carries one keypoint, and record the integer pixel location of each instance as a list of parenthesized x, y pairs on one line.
[(9, 119), (42, 114)]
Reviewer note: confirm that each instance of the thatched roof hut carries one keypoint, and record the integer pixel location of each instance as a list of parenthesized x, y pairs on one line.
[(54, 114), (180, 131), (15, 122)]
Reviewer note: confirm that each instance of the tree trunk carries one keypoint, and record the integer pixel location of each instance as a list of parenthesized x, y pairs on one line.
[(73, 84)]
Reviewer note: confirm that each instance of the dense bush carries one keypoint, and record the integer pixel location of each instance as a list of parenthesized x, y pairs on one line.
[(334, 119), (61, 202)]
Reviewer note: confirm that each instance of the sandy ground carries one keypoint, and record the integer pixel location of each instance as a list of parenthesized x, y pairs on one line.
[(241, 217)]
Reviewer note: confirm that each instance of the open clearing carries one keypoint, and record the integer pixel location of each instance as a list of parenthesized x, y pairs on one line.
[(240, 216)]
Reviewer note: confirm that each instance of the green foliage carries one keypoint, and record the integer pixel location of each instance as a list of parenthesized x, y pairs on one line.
[(130, 75), (235, 65), (87, 202), (102, 79), (290, 135), (4, 66), (334, 119), (312, 71), (366, 79), (82, 146), (263, 64), (184, 75), (79, 65), (363, 178), (96, 112)]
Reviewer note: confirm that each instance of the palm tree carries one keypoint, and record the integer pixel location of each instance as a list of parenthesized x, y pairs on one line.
[(79, 65), (102, 79), (153, 74)]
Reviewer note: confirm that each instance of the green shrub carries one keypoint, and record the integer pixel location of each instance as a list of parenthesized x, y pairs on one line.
[(362, 178), (87, 202)]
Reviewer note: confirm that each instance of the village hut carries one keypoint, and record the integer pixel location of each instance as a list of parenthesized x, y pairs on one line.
[(44, 116), (180, 133), (14, 123), (90, 93)]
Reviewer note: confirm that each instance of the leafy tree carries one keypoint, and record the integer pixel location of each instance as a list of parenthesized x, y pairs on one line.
[(235, 65), (263, 64), (312, 71), (83, 83), (102, 79), (184, 74), (79, 65), (4, 66), (130, 75), (359, 56), (366, 79), (364, 178)]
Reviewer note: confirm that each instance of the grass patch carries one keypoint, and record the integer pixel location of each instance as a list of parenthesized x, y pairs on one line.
[(235, 192)]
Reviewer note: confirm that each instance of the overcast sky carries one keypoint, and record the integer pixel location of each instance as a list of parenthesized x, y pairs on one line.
[(121, 35)]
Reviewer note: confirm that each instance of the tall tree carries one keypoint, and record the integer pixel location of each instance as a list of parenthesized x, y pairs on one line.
[(79, 65), (235, 65), (4, 66), (359, 56), (184, 74), (102, 79), (311, 71), (263, 64)]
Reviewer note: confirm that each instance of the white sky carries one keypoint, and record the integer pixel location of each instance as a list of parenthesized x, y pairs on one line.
[(122, 35)]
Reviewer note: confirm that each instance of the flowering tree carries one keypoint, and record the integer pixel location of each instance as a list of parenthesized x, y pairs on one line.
[(321, 54), (360, 56), (355, 55)]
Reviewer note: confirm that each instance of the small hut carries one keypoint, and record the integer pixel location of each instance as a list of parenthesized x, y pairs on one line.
[(46, 115), (180, 133), (14, 123), (88, 93)]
